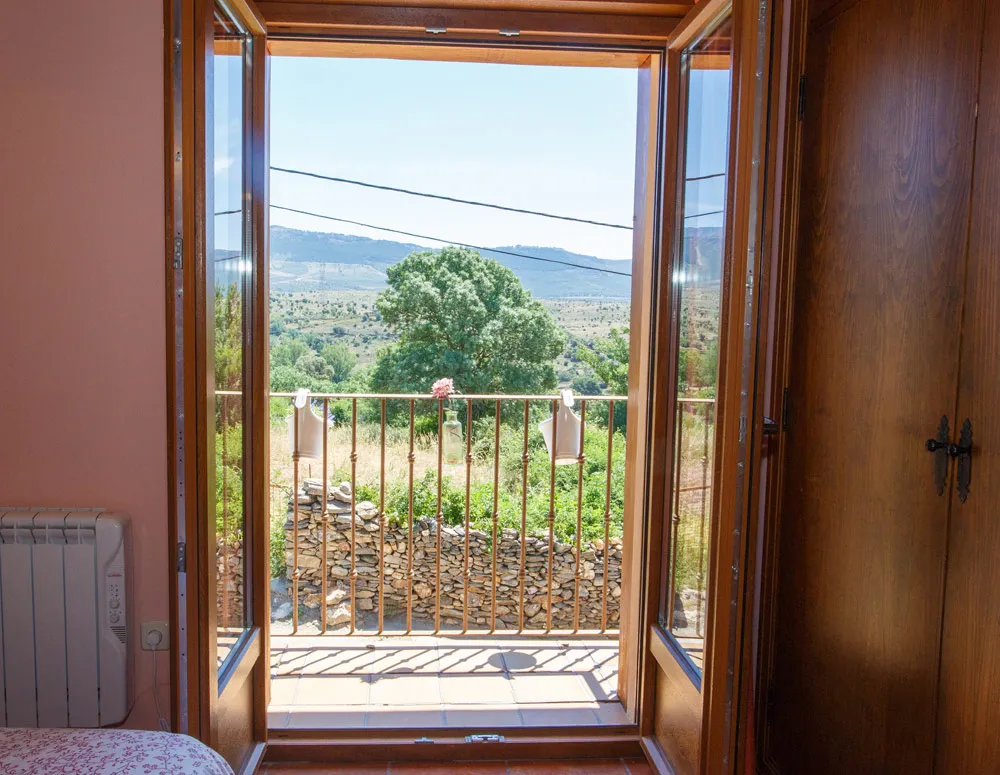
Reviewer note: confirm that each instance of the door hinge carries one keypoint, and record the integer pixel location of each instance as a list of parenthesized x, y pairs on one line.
[(484, 738), (784, 409), (802, 97), (181, 557)]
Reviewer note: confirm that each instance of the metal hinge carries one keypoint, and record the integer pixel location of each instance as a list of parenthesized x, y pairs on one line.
[(802, 97), (181, 557), (484, 738)]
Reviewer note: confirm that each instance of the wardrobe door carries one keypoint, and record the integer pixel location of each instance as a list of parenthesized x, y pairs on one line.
[(887, 155), (969, 706)]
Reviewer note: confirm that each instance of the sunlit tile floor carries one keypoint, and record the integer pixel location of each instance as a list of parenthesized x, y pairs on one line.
[(423, 681)]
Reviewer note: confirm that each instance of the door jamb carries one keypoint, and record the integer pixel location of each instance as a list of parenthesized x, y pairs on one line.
[(192, 675)]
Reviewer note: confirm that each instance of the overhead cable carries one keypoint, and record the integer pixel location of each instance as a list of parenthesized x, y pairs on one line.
[(448, 241), (451, 198)]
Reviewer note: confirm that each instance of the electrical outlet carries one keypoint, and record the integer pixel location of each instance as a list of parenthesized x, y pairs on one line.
[(149, 633)]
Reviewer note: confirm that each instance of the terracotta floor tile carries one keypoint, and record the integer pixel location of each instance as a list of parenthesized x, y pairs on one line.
[(452, 768), (403, 716), (325, 717), (638, 767), (325, 769), (541, 687), (405, 689), (332, 690), (579, 767), (481, 689), (483, 718)]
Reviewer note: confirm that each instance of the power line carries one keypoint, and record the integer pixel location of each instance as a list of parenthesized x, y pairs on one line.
[(449, 242), (451, 198)]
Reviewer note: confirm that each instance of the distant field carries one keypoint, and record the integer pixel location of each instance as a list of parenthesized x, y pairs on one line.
[(350, 317)]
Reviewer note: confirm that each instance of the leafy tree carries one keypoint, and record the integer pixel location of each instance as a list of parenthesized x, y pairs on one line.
[(608, 358), (585, 385), (463, 316), (287, 350), (340, 360)]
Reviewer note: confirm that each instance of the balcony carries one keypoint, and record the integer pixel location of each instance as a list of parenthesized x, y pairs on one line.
[(470, 578)]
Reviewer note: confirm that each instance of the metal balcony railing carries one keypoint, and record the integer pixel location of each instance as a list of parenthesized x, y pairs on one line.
[(429, 576)]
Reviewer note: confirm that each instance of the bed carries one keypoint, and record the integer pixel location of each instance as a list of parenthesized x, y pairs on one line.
[(105, 752)]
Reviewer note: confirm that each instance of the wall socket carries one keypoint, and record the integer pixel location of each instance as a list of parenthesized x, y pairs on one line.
[(148, 636)]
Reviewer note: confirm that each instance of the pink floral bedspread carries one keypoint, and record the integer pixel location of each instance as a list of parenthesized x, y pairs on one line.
[(105, 752)]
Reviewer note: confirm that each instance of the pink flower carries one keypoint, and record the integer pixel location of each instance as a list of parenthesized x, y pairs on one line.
[(443, 388)]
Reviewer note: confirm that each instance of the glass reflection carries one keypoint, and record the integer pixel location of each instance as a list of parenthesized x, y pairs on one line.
[(230, 267), (706, 74)]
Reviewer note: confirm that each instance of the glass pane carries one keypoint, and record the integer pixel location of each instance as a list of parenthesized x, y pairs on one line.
[(706, 74), (230, 267)]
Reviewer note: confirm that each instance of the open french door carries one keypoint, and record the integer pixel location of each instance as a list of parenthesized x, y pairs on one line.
[(219, 373), (703, 420)]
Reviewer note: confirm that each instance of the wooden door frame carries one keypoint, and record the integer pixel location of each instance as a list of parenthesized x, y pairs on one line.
[(765, 248), (649, 61), (554, 30), (195, 680), (777, 286)]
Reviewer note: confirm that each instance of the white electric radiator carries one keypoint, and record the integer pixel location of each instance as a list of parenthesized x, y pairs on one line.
[(65, 603)]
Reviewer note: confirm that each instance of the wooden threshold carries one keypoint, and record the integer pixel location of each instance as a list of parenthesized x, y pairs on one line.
[(559, 743)]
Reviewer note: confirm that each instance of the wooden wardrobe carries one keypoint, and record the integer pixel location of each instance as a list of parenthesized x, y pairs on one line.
[(884, 651)]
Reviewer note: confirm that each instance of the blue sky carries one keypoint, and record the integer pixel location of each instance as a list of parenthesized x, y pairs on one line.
[(555, 139)]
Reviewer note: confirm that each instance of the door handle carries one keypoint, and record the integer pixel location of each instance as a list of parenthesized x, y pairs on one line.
[(962, 452), (939, 446)]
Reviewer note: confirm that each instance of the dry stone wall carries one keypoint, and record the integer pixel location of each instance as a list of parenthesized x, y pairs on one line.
[(392, 555)]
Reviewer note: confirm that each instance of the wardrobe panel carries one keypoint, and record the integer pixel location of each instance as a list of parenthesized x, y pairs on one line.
[(969, 707), (886, 172)]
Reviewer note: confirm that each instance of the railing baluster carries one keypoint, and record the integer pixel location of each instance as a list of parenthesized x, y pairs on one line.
[(496, 517), (552, 514), (522, 569), (411, 458), (468, 497), (579, 517), (704, 508), (381, 522), (295, 520), (675, 521), (225, 521), (354, 501), (439, 518), (607, 516), (324, 573)]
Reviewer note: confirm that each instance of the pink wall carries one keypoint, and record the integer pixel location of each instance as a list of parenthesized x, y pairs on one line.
[(82, 281)]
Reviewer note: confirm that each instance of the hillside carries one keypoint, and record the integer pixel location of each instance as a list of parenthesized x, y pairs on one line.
[(318, 261)]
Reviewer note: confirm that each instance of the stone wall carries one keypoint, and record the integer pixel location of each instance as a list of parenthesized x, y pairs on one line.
[(394, 555), (229, 582)]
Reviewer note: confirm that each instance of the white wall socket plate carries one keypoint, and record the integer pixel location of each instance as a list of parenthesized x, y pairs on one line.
[(148, 634)]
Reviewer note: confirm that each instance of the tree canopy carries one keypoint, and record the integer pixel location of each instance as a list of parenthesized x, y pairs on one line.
[(463, 316)]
